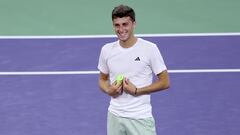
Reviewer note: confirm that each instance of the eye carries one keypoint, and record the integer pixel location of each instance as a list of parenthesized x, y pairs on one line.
[(116, 25), (125, 24)]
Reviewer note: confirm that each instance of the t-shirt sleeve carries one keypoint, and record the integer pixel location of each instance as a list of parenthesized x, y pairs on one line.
[(157, 62), (102, 63)]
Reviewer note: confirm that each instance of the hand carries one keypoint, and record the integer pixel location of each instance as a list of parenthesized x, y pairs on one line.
[(129, 87), (115, 90)]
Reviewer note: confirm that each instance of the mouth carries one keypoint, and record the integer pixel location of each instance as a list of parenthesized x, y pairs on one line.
[(122, 35)]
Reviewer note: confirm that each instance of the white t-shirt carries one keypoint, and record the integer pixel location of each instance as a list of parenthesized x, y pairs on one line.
[(137, 63)]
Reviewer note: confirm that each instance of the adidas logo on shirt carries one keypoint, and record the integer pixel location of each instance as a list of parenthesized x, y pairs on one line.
[(137, 59)]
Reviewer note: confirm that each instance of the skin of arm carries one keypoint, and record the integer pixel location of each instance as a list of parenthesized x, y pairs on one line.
[(113, 90), (161, 83)]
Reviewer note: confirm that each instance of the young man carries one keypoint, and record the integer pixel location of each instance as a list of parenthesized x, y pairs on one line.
[(130, 110)]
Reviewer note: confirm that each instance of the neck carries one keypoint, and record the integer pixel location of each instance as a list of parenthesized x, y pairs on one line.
[(128, 43)]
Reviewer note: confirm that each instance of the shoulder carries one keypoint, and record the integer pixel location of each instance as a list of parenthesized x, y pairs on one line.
[(147, 44), (109, 46)]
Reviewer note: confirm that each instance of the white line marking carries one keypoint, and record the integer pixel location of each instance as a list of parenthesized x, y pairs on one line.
[(50, 73), (204, 71), (97, 72), (114, 36)]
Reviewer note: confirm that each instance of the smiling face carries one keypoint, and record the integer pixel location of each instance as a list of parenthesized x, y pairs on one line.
[(124, 28)]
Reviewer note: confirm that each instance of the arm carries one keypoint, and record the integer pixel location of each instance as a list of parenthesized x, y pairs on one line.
[(113, 90), (161, 83)]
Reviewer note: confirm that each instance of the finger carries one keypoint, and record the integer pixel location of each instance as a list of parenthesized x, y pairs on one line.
[(114, 83), (126, 81), (118, 85), (119, 89)]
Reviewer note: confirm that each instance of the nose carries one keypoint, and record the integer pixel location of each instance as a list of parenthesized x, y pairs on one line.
[(121, 29)]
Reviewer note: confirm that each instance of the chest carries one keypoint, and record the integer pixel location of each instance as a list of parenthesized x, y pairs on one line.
[(126, 62)]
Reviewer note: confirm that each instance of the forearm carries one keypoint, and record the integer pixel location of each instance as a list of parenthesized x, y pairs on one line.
[(104, 85), (161, 83), (154, 87)]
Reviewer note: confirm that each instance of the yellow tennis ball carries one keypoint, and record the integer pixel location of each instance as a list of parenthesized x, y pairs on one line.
[(119, 78)]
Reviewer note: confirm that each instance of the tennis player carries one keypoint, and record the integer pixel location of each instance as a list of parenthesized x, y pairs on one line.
[(138, 60)]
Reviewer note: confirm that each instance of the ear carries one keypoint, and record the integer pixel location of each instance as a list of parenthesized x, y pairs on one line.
[(134, 24)]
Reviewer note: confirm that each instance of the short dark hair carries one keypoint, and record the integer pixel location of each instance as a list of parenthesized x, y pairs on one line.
[(123, 11)]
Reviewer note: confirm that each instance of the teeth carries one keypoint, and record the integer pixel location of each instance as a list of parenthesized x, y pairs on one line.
[(122, 34)]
